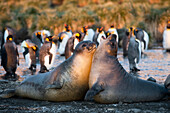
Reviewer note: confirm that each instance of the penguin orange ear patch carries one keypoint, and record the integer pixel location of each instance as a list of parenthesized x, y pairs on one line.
[(10, 39), (77, 34), (34, 48), (61, 38), (47, 39), (82, 30)]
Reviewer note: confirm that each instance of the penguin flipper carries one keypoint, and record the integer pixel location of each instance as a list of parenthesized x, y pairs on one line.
[(96, 89), (4, 57), (50, 57), (17, 55), (8, 93), (58, 84)]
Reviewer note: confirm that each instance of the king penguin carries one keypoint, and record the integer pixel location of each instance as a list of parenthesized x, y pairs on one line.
[(10, 58), (29, 52), (47, 54), (62, 41), (125, 42), (134, 53), (71, 44), (166, 37), (100, 35), (89, 33), (67, 30), (38, 40)]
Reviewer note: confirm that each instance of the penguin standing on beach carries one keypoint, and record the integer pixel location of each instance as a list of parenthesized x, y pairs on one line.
[(29, 52), (125, 42), (67, 30), (143, 37), (71, 44), (166, 37), (134, 52), (47, 54), (38, 40), (10, 58), (99, 36), (88, 33), (62, 41)]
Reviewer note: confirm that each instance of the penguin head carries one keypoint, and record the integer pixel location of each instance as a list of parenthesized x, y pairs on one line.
[(108, 34), (84, 29), (67, 28), (100, 29), (49, 39), (112, 26), (61, 36), (38, 35), (78, 36), (35, 48), (10, 38)]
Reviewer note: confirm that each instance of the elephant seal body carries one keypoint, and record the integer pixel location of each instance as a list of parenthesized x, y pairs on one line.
[(67, 82), (110, 83)]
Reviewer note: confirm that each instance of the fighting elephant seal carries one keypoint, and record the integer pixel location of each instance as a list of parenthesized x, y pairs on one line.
[(110, 83), (67, 82)]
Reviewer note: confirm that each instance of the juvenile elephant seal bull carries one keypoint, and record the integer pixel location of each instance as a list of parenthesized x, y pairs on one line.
[(110, 83), (67, 82)]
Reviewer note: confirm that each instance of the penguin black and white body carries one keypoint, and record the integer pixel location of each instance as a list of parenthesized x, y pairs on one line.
[(71, 44), (10, 57), (134, 53), (166, 38), (125, 43), (113, 30), (89, 33), (29, 52), (143, 37), (38, 40), (62, 41), (99, 36), (67, 30), (47, 55)]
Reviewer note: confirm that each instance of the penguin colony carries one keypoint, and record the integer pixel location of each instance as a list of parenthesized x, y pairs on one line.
[(41, 48), (134, 44)]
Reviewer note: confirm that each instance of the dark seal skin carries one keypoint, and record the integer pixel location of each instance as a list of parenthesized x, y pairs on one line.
[(110, 83), (67, 82)]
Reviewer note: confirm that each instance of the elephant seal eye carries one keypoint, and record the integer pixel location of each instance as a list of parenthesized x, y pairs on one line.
[(84, 45)]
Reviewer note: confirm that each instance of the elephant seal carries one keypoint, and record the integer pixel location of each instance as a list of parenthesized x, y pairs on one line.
[(67, 82), (110, 83)]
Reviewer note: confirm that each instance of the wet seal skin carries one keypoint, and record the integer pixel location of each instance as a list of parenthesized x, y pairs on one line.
[(110, 83), (67, 82)]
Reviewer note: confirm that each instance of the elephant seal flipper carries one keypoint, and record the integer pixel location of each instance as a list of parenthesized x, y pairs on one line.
[(58, 84), (96, 88)]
